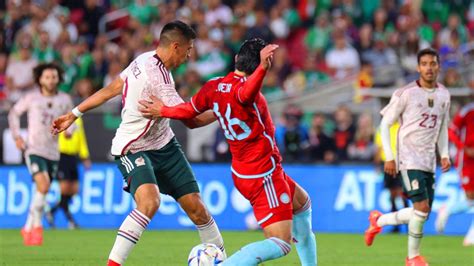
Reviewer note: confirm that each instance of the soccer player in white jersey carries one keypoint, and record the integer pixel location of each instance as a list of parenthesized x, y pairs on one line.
[(41, 148), (146, 151), (422, 109)]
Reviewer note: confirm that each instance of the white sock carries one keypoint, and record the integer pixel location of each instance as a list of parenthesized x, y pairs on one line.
[(29, 220), (128, 235), (209, 233), (35, 214), (415, 232), (395, 218)]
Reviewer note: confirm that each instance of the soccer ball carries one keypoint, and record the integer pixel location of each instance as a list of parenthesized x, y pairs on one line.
[(205, 255)]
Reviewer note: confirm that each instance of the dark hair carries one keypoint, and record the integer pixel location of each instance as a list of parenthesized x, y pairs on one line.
[(427, 51), (38, 71), (248, 57), (175, 30)]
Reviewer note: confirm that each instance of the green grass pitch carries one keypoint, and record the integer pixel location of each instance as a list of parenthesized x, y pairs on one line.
[(91, 247)]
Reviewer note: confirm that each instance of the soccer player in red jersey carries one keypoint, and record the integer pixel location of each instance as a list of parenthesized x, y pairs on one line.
[(281, 207), (461, 134)]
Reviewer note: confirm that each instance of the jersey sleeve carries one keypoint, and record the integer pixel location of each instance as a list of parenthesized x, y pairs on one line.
[(249, 91), (395, 107), (124, 74), (443, 145), (15, 113), (201, 100)]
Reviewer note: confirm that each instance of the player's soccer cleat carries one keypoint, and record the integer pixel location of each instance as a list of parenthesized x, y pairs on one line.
[(373, 229), (416, 261), (35, 237), (469, 239), (71, 225), (441, 219), (112, 263), (26, 236)]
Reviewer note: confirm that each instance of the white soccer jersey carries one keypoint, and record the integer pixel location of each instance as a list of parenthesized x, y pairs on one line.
[(421, 114), (41, 112), (144, 77)]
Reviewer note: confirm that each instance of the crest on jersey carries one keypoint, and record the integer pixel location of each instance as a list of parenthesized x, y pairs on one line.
[(415, 185), (140, 161), (284, 198), (430, 102)]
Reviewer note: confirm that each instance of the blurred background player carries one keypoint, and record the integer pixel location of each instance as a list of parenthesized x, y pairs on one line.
[(41, 148), (282, 208), (422, 107), (393, 184), (461, 133), (146, 150), (72, 148)]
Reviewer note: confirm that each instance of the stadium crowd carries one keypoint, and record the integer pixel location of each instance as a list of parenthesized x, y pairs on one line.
[(373, 42)]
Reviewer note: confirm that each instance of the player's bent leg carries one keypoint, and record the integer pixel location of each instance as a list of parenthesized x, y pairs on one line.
[(208, 230), (275, 246), (147, 198), (303, 235), (377, 220)]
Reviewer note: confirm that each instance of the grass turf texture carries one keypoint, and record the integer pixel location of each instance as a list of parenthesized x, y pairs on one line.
[(91, 247)]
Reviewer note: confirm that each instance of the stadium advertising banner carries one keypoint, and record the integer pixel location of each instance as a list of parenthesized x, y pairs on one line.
[(342, 197)]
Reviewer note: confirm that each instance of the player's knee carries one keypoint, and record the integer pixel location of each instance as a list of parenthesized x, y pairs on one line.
[(149, 205), (42, 183), (424, 208), (284, 235)]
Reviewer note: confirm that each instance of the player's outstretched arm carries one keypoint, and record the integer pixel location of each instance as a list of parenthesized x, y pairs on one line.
[(155, 109), (201, 120), (63, 122), (251, 88)]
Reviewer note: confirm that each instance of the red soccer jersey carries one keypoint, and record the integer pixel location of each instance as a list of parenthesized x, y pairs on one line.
[(461, 133), (247, 126)]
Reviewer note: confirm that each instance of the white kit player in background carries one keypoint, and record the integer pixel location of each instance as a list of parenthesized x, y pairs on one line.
[(422, 108), (41, 148)]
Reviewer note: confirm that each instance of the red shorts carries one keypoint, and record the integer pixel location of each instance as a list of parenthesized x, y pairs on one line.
[(467, 179), (271, 196)]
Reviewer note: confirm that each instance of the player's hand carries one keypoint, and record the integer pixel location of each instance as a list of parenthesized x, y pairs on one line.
[(20, 144), (390, 168), (87, 163), (62, 123), (151, 109), (469, 151), (445, 164), (266, 55)]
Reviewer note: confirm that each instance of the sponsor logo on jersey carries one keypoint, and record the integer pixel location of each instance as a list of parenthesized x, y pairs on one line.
[(415, 185), (140, 161), (284, 198)]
